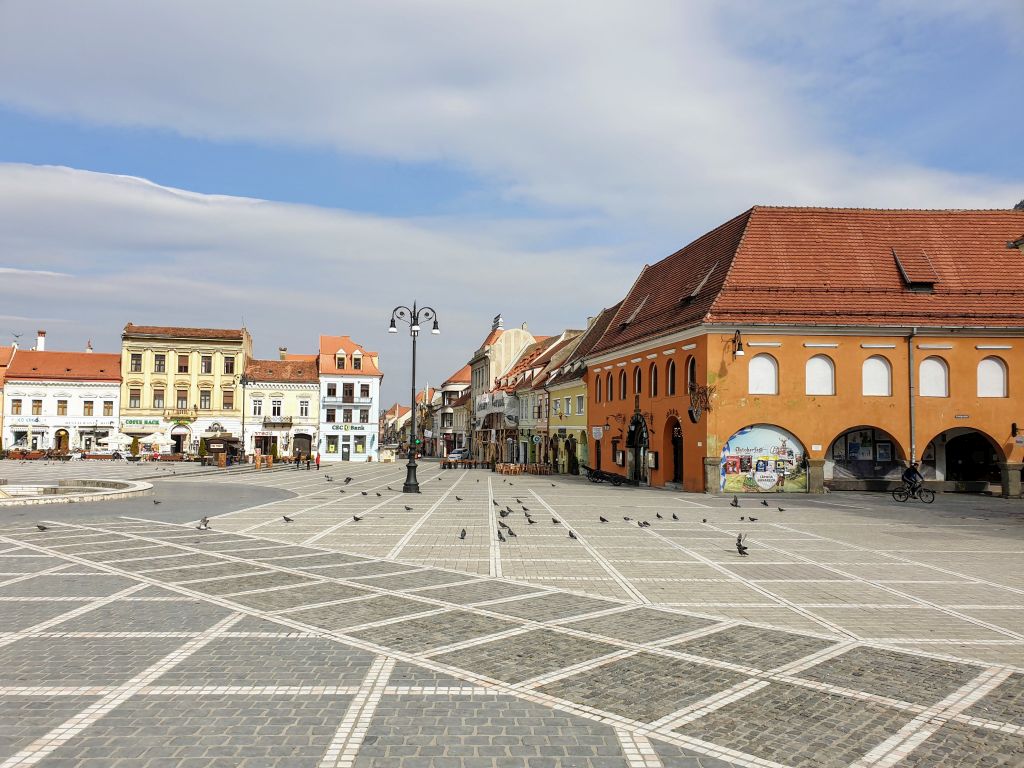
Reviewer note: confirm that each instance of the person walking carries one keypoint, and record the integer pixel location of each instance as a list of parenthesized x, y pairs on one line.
[(297, 457), (318, 461), (308, 460)]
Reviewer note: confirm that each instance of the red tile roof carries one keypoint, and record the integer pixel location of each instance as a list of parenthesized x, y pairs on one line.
[(303, 371), (331, 345), (29, 365), (462, 376), (184, 333), (830, 266)]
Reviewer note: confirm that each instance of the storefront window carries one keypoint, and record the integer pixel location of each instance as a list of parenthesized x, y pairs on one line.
[(360, 444), (332, 443)]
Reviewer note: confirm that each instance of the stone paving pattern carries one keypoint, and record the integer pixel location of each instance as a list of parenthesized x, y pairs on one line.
[(279, 686)]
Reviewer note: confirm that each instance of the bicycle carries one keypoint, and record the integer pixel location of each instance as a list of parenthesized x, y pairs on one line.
[(903, 493)]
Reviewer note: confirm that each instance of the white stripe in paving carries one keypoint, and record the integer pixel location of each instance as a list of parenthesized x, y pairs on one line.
[(350, 734), (402, 542)]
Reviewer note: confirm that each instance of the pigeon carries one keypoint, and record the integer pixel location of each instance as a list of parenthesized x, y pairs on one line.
[(511, 533), (287, 519), (156, 501), (704, 520), (478, 479), (504, 480), (41, 527), (348, 480), (735, 501), (327, 478), (675, 516), (658, 515), (530, 521), (408, 508), (502, 525), (458, 498), (764, 503), (554, 486), (646, 524), (626, 518), (503, 513), (390, 488), (494, 502), (740, 546), (341, 490), (639, 524), (526, 509), (356, 518), (519, 501), (204, 524), (752, 519), (363, 493), (555, 520), (781, 509), (378, 495), (463, 534), (572, 535), (500, 537), (510, 510), (602, 519)]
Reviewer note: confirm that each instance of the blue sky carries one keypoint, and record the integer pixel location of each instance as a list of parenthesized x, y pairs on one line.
[(524, 160)]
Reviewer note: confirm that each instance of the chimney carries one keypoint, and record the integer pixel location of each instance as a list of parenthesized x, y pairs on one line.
[(498, 323), (40, 341), (282, 352), (88, 347)]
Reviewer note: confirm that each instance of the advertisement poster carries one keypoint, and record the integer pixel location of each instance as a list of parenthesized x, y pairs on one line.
[(762, 458)]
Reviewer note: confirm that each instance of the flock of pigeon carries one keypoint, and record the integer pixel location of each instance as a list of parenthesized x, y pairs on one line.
[(505, 531)]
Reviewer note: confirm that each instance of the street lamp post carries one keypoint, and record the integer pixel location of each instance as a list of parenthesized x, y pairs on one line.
[(412, 317), (244, 381)]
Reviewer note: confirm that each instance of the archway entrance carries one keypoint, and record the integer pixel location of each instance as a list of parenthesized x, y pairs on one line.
[(763, 458), (60, 440), (302, 444), (864, 454), (637, 443), (971, 457), (673, 450), (572, 462), (180, 438)]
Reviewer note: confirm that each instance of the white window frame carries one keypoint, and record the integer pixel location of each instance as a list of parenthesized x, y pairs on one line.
[(257, 407)]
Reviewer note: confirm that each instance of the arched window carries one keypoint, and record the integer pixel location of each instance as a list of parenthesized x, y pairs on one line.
[(637, 380), (992, 376), (622, 384), (654, 379), (820, 376), (763, 375), (610, 386), (670, 378), (876, 377), (934, 375), (691, 373), (597, 388)]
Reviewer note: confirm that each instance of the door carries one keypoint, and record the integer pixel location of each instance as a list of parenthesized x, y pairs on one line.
[(346, 451), (597, 454)]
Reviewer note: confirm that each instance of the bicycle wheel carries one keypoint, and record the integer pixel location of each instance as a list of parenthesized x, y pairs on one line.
[(926, 495), (901, 494)]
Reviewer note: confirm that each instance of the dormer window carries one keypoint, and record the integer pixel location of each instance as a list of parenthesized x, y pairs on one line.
[(357, 361), (916, 270), (339, 360)]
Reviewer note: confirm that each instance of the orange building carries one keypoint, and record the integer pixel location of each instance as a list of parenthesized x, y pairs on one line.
[(804, 348)]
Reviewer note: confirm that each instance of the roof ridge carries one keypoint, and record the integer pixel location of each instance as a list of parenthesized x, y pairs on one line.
[(864, 209)]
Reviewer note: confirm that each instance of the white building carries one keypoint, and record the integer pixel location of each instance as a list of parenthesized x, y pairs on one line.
[(60, 400), (282, 406), (350, 379)]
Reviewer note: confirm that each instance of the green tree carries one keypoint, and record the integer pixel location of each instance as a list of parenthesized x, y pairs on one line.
[(135, 446), (203, 452)]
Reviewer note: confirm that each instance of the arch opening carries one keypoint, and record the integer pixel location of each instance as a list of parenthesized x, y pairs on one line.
[(763, 458)]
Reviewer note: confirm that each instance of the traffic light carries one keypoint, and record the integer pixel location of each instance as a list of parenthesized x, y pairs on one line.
[(418, 441)]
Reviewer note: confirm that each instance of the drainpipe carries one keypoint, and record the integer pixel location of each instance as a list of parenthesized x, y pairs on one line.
[(912, 385)]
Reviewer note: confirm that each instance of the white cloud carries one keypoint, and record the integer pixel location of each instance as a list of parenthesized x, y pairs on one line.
[(138, 252), (637, 111)]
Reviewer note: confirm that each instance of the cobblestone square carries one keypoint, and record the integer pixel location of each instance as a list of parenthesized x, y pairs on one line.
[(260, 643)]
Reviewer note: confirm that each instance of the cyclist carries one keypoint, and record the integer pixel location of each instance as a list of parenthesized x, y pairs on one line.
[(913, 478)]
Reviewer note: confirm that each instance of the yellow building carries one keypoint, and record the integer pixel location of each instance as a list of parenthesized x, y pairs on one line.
[(183, 382)]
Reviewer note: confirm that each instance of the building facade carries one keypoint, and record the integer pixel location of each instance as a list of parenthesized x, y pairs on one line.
[(6, 355), (451, 434), (282, 406), (183, 382), (60, 401), (799, 348), (350, 379)]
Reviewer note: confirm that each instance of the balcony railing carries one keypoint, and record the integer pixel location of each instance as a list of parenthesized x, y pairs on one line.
[(346, 400), (179, 414), (277, 421)]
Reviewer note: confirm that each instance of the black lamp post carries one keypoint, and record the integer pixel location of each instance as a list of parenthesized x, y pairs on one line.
[(412, 317), (244, 381)]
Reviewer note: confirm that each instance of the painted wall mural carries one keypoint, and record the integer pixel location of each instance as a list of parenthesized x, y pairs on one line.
[(763, 458)]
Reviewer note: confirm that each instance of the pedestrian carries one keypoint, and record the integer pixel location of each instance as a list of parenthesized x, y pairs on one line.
[(318, 461), (297, 457), (307, 462)]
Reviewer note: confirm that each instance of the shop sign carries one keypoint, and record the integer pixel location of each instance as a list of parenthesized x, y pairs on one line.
[(349, 427), (25, 419), (427, 434), (536, 439), (766, 480), (137, 423), (597, 432)]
